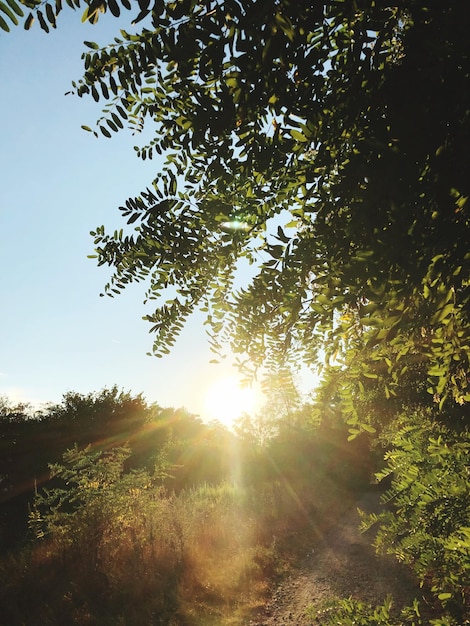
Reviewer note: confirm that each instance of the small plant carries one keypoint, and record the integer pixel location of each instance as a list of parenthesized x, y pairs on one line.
[(350, 612)]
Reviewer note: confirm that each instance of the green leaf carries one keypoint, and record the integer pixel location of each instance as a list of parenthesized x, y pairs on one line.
[(298, 136), (285, 25), (444, 596), (121, 112), (92, 45), (3, 25), (84, 15), (113, 85), (354, 432), (443, 313), (15, 8), (370, 375), (281, 235), (6, 9)]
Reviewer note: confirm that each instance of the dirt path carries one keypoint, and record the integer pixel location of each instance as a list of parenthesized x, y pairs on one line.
[(341, 564)]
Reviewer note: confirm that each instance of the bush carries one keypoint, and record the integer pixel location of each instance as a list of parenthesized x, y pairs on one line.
[(427, 521), (110, 547)]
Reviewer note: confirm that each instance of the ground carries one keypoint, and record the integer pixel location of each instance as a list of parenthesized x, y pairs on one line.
[(339, 564)]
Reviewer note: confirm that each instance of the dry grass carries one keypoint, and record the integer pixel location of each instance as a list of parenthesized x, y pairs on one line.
[(142, 556)]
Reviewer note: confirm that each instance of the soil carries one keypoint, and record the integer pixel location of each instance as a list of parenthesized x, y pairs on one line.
[(340, 564)]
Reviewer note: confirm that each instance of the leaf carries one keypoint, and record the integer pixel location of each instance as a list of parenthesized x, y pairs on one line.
[(14, 7), (105, 131), (142, 15), (29, 21), (443, 313), (281, 235), (87, 128), (298, 136), (371, 321), (354, 432), (285, 25), (50, 15), (133, 218), (114, 8), (112, 125), (444, 596), (6, 9), (104, 90), (85, 12), (117, 120), (3, 25), (121, 112), (275, 251), (92, 45), (112, 84), (42, 21)]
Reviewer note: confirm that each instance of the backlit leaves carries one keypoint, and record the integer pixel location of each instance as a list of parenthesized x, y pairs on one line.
[(323, 130), (47, 13)]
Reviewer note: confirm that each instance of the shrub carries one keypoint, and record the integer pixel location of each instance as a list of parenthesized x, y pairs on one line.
[(428, 517)]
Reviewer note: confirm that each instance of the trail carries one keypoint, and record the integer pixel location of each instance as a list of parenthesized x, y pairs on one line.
[(341, 564)]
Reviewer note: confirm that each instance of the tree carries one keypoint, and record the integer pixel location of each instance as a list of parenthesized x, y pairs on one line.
[(323, 143)]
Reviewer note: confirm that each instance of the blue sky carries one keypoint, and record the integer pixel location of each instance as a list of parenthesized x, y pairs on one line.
[(57, 183)]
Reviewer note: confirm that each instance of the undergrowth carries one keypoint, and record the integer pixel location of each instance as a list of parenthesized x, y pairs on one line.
[(109, 547)]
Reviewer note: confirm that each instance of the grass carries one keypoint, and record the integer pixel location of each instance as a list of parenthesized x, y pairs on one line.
[(144, 556)]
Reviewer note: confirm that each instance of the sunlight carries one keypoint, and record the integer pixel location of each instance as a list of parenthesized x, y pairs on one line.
[(226, 401)]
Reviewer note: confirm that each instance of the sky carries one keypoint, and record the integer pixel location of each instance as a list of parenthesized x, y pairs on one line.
[(58, 182)]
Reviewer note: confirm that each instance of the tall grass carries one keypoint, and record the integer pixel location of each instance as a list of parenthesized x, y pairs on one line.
[(132, 553)]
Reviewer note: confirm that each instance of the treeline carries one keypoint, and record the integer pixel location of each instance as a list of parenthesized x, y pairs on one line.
[(31, 441), (116, 511)]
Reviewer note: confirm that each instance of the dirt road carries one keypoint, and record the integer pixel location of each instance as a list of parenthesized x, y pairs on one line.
[(339, 565)]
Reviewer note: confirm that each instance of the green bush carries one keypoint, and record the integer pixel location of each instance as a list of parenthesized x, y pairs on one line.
[(427, 524)]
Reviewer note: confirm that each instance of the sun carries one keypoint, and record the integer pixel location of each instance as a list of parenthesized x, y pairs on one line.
[(227, 400)]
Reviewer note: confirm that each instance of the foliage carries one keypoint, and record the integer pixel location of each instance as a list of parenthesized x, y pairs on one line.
[(350, 612), (326, 146), (170, 443), (323, 143), (87, 490), (427, 523), (113, 546), (31, 440)]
